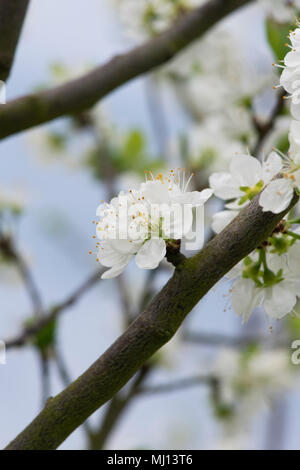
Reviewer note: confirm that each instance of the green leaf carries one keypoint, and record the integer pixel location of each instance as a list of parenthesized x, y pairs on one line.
[(134, 143), (277, 36)]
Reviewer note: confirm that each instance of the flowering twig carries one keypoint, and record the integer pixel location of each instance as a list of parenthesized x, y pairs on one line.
[(82, 93), (150, 331)]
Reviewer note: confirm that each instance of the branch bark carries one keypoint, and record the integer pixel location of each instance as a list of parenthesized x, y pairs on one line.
[(12, 14), (80, 94), (191, 280)]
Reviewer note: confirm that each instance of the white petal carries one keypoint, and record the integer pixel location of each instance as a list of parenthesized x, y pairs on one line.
[(108, 256), (294, 139), (279, 300), (296, 176), (271, 167), (292, 59), (224, 186), (245, 297), (116, 270), (124, 246), (178, 222), (195, 198), (222, 219), (151, 253), (277, 196), (246, 170), (155, 191), (287, 79), (295, 110)]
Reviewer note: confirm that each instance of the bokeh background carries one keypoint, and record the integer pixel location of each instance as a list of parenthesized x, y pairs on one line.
[(52, 175)]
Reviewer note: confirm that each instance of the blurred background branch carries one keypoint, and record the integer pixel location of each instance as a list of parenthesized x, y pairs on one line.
[(12, 15)]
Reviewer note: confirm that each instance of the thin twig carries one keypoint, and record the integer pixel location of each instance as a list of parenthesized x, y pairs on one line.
[(115, 410), (33, 329), (150, 331), (177, 385)]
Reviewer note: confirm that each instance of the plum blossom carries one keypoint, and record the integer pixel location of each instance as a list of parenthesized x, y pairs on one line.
[(249, 380), (140, 223), (144, 18), (269, 279), (245, 179), (278, 195)]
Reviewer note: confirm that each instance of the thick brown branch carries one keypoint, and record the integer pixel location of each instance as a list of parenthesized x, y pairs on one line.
[(152, 329), (80, 94), (10, 251), (12, 14)]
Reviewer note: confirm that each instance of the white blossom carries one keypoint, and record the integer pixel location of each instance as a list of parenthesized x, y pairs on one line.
[(282, 11), (207, 153), (140, 222), (272, 282), (278, 195), (249, 380), (245, 179)]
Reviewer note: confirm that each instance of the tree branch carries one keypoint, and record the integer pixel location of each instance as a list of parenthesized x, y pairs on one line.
[(42, 322), (150, 331), (12, 14), (80, 94), (116, 409)]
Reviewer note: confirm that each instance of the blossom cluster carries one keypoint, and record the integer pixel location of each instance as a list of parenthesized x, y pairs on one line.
[(249, 381), (269, 276), (278, 195), (142, 222)]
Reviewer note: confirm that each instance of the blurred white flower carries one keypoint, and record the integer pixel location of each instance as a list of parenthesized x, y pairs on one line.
[(282, 11), (146, 18), (249, 380), (212, 75)]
